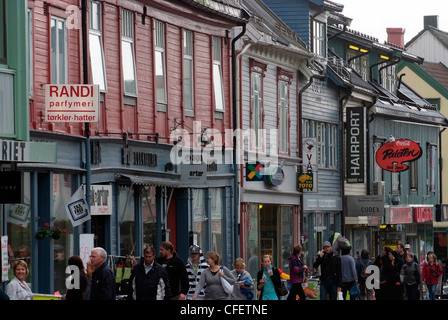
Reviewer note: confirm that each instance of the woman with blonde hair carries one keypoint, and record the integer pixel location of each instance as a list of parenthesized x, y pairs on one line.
[(17, 288), (268, 280), (244, 285), (212, 278)]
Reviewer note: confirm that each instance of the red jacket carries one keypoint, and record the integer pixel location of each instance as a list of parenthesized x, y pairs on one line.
[(431, 273)]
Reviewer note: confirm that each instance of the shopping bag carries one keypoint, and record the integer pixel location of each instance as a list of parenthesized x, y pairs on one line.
[(354, 291), (228, 288)]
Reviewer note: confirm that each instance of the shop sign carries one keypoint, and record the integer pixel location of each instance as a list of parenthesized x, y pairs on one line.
[(5, 258), (392, 155), (77, 208), (274, 176), (27, 151), (194, 172), (423, 214), (72, 102), (101, 199), (254, 171), (395, 215), (365, 206), (11, 187), (355, 145), (138, 158), (305, 181)]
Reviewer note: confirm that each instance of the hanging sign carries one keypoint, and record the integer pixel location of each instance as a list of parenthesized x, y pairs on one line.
[(72, 102), (355, 145), (274, 176), (392, 155), (77, 208), (254, 171)]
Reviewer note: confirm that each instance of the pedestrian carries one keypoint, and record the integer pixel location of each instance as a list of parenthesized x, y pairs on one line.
[(3, 295), (401, 251), (175, 267), (330, 272), (89, 272), (149, 279), (410, 277), (17, 288), (103, 285), (212, 278), (268, 280), (244, 285), (349, 277), (196, 264), (79, 291), (361, 265), (392, 269), (431, 273), (296, 271), (380, 286), (407, 247)]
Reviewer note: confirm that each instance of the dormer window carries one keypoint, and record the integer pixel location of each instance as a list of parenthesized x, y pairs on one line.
[(319, 38)]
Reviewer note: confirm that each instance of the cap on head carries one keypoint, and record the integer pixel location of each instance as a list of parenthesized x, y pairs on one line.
[(326, 244), (195, 249)]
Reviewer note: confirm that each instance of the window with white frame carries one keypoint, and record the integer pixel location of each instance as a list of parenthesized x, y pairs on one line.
[(188, 67), (432, 168), (320, 132), (128, 55), (396, 183), (96, 46), (389, 78), (283, 116), (160, 62), (413, 176), (256, 109), (58, 50), (360, 64), (333, 146), (218, 89), (319, 38)]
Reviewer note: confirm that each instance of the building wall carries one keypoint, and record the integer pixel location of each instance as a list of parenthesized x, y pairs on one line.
[(430, 48)]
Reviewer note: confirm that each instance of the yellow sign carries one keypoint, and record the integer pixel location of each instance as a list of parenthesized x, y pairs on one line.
[(305, 180)]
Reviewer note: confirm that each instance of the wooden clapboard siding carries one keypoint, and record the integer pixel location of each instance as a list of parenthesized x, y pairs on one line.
[(141, 117)]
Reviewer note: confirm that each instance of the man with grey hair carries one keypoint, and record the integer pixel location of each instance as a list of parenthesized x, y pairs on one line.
[(103, 279)]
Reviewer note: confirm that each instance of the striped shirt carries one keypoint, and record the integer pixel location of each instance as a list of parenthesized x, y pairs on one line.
[(194, 273)]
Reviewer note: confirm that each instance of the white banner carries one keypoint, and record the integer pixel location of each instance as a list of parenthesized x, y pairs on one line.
[(77, 208)]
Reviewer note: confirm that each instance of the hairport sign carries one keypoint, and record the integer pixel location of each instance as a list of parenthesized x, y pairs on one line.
[(72, 102)]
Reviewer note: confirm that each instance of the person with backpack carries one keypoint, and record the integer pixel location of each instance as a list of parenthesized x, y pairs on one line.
[(410, 277), (361, 266), (431, 273)]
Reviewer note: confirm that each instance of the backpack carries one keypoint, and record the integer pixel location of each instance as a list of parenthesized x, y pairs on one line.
[(364, 275)]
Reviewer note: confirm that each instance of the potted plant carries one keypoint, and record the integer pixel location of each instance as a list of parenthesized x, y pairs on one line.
[(53, 232)]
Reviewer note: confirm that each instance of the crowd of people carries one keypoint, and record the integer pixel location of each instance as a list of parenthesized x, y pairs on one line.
[(167, 277)]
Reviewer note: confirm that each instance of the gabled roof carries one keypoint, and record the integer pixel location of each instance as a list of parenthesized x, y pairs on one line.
[(440, 35), (230, 9)]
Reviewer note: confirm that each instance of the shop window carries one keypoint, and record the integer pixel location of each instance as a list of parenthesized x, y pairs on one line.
[(63, 247), (217, 221), (199, 219), (149, 208), (58, 51), (18, 218), (252, 251), (128, 56), (96, 46), (126, 219)]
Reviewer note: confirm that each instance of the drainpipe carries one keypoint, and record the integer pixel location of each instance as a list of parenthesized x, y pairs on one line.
[(300, 138), (87, 124), (235, 140)]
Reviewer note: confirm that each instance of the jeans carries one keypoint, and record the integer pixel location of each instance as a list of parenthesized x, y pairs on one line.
[(432, 291), (330, 288), (412, 292)]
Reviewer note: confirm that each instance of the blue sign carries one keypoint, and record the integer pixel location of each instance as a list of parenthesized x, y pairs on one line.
[(274, 176)]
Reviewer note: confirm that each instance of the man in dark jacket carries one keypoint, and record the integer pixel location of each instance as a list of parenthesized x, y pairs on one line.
[(175, 267), (103, 280), (149, 279), (330, 272)]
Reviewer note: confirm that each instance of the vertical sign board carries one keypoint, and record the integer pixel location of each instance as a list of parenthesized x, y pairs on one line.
[(72, 102), (5, 258), (355, 145), (307, 179)]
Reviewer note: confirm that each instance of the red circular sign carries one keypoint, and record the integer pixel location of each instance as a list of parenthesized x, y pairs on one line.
[(392, 155)]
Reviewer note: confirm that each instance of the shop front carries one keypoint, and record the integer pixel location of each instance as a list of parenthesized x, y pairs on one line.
[(269, 216)]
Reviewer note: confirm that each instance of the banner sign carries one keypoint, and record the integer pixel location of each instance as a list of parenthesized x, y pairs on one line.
[(77, 208), (392, 155), (309, 166), (5, 264), (369, 205), (72, 102), (355, 145), (395, 215), (423, 214)]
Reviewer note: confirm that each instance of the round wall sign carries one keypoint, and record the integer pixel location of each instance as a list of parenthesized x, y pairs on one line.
[(274, 176)]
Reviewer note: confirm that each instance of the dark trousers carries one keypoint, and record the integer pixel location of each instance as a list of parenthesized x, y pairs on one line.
[(412, 291), (296, 289), (346, 286)]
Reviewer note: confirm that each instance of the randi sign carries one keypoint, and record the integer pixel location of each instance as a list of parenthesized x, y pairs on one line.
[(72, 102)]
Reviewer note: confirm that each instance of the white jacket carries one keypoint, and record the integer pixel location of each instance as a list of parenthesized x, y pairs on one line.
[(17, 290)]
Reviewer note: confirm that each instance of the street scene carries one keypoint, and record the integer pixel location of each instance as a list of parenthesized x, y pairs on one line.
[(244, 150)]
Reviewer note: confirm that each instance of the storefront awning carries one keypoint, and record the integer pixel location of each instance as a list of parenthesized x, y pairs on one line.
[(145, 180)]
